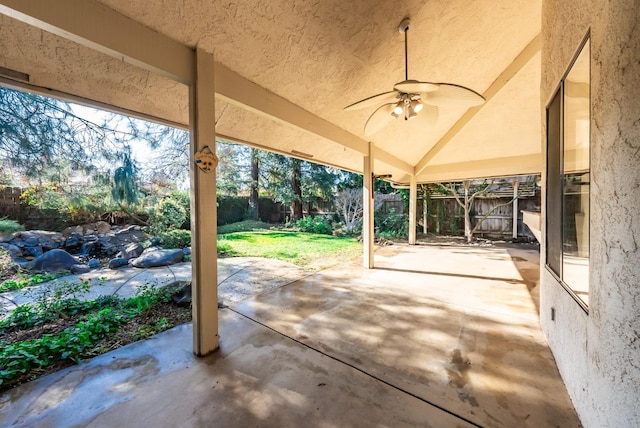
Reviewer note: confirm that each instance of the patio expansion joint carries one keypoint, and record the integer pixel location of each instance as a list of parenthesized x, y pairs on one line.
[(360, 370)]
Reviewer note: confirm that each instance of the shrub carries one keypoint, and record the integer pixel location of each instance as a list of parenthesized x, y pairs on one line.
[(242, 226), (168, 214), (224, 247), (231, 209), (7, 227), (391, 224), (177, 238), (315, 224)]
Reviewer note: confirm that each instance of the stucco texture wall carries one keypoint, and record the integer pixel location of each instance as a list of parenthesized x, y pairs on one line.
[(598, 353)]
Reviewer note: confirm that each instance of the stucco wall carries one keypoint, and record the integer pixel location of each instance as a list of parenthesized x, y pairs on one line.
[(598, 354)]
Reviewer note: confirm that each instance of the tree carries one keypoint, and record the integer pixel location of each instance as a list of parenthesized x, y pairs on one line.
[(471, 191), (125, 187), (254, 208), (348, 203)]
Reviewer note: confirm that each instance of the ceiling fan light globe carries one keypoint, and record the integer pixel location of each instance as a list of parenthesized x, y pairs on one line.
[(417, 106), (398, 109)]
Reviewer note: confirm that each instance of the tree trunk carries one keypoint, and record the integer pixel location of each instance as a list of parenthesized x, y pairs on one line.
[(467, 213), (254, 212), (296, 202)]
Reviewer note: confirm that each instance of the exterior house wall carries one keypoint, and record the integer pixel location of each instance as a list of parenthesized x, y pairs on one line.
[(598, 353)]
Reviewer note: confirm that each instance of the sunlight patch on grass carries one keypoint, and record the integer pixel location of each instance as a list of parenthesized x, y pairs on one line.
[(303, 249)]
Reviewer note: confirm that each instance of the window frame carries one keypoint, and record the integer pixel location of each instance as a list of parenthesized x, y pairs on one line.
[(559, 191)]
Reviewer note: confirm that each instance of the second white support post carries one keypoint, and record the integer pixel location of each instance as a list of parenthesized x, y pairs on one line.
[(367, 210), (413, 209)]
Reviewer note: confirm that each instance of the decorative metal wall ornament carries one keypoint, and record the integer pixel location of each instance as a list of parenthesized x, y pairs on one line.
[(206, 160)]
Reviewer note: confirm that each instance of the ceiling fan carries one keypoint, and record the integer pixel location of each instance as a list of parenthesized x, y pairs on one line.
[(414, 99)]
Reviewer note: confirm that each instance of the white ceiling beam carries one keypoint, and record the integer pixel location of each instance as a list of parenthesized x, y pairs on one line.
[(101, 28), (386, 157), (497, 167), (246, 94), (509, 73)]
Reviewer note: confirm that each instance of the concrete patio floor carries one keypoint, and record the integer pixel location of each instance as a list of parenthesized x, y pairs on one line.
[(433, 337)]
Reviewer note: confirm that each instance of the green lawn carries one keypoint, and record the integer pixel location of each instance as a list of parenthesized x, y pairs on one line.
[(304, 249)]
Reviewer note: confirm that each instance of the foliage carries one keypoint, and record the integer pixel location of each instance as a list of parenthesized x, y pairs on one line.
[(231, 209), (8, 267), (30, 279), (391, 224), (304, 249), (176, 238), (233, 171), (243, 226), (317, 224), (183, 198), (99, 318), (125, 185), (166, 215), (223, 247), (7, 227)]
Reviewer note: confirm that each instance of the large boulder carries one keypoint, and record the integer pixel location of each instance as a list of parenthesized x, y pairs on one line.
[(131, 251), (52, 261), (157, 257)]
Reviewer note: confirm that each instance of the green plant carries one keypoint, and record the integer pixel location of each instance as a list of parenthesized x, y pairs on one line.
[(7, 227), (177, 238), (147, 330), (315, 224), (99, 319), (391, 224), (28, 281), (166, 215), (223, 247)]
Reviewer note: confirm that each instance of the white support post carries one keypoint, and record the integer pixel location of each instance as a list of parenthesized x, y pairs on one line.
[(515, 209), (204, 257), (367, 212), (413, 209), (425, 213)]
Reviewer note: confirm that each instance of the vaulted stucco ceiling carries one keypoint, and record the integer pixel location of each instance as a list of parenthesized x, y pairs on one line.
[(322, 56)]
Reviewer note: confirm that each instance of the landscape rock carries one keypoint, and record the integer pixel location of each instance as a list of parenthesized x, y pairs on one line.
[(157, 257), (118, 262), (33, 251), (30, 241), (94, 263), (52, 261), (13, 250), (182, 297), (79, 269), (73, 243), (186, 251), (131, 251)]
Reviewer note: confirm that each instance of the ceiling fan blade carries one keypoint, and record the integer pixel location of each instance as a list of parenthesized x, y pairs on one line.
[(428, 116), (414, 86), (450, 94), (379, 119), (384, 97)]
